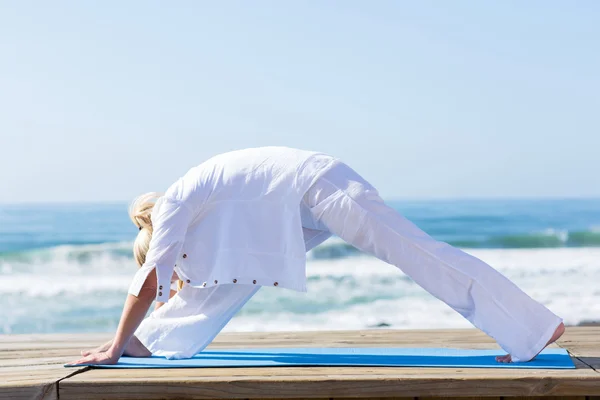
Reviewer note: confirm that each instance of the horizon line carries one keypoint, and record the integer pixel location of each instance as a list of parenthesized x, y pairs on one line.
[(391, 199)]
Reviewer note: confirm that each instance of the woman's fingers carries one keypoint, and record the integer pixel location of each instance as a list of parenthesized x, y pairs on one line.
[(78, 362), (86, 353), (96, 359), (99, 349)]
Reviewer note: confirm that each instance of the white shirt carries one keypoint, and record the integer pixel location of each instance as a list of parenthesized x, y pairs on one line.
[(235, 219)]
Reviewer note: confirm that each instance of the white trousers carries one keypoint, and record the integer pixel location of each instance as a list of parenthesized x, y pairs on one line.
[(343, 203)]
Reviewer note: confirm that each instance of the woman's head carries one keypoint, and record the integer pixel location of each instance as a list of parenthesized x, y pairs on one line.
[(140, 212)]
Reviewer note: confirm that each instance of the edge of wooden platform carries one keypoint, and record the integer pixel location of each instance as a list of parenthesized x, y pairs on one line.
[(303, 382)]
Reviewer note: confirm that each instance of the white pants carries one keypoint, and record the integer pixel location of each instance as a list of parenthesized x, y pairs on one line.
[(343, 203)]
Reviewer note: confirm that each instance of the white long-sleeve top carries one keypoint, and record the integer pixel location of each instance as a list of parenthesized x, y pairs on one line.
[(235, 219)]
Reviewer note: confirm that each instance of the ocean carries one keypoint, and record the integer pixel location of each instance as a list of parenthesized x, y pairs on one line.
[(67, 267)]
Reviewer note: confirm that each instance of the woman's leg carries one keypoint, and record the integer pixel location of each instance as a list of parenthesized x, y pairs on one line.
[(190, 321), (355, 212)]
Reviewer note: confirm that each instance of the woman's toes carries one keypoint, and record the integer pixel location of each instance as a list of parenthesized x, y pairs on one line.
[(504, 359)]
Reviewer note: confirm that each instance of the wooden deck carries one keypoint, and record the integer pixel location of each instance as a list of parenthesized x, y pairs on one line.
[(31, 367)]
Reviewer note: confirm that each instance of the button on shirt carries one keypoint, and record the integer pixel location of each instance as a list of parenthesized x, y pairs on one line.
[(234, 218)]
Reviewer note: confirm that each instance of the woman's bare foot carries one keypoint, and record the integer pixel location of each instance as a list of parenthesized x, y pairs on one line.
[(557, 333)]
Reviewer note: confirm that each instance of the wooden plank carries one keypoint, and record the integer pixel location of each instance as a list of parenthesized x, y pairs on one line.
[(382, 398), (52, 342), (35, 392), (30, 382), (312, 382), (30, 366), (333, 386), (458, 338), (336, 382), (34, 373), (458, 398), (54, 338), (551, 398), (583, 344)]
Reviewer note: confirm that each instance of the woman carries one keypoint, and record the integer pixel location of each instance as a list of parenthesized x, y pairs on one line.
[(246, 219)]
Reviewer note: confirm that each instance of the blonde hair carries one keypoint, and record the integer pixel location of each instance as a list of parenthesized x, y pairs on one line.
[(140, 212)]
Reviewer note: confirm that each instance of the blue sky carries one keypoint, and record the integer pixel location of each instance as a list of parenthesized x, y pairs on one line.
[(100, 101)]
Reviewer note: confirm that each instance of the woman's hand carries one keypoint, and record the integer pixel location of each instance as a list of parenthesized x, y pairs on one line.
[(105, 358), (99, 349), (134, 312), (134, 348)]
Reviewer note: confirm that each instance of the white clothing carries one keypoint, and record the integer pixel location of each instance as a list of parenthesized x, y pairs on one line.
[(191, 319), (234, 219), (343, 203)]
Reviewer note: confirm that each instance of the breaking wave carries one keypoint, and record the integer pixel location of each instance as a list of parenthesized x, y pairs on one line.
[(114, 257)]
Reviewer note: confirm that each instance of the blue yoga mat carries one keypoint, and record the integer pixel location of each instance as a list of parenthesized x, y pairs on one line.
[(372, 357)]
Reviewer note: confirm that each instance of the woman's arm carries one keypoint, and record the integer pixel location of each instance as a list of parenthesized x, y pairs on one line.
[(170, 220), (134, 311)]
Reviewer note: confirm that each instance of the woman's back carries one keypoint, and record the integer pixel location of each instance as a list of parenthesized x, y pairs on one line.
[(263, 173)]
